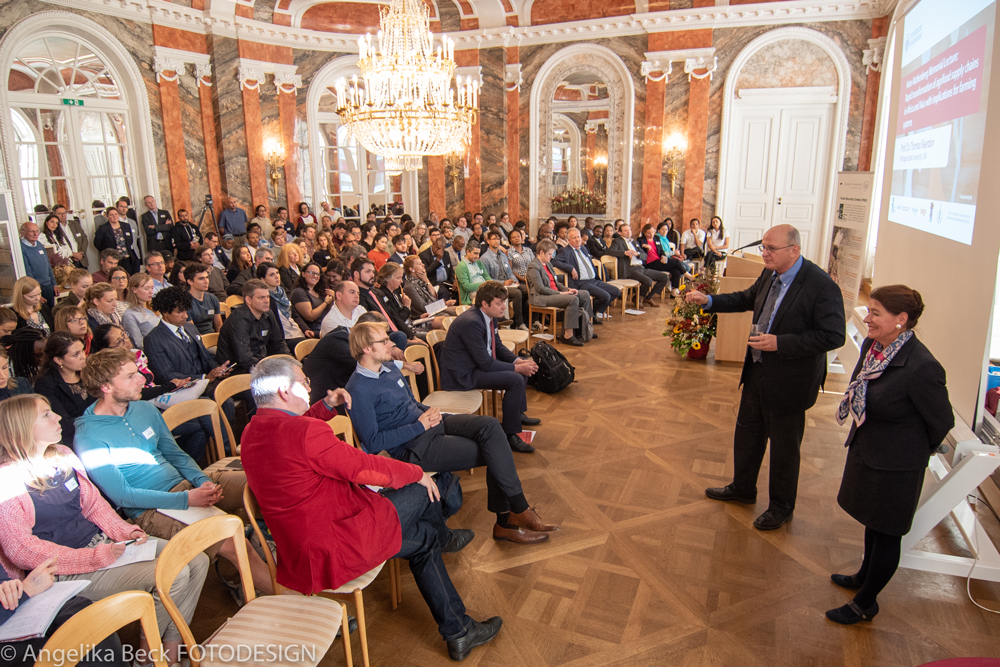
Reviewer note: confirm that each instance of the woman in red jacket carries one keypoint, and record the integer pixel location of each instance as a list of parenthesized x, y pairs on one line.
[(329, 524)]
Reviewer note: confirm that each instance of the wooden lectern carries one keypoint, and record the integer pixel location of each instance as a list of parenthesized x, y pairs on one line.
[(734, 328)]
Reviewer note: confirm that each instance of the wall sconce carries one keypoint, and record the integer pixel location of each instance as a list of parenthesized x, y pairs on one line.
[(455, 166), (674, 148), (601, 170), (275, 161)]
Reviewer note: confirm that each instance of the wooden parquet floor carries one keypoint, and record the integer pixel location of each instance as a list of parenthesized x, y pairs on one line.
[(646, 570)]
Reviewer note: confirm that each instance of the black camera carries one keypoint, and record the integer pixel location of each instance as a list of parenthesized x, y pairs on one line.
[(208, 200)]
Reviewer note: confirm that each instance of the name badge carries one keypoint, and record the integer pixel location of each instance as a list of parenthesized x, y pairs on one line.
[(71, 484), (264, 332), (211, 311), (400, 383), (149, 433), (41, 252)]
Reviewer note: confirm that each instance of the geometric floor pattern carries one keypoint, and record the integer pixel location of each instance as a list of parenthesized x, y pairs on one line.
[(646, 570)]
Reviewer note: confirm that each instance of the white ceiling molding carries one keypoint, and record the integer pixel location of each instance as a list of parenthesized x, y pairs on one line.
[(662, 61), (252, 73), (471, 71), (512, 76), (176, 61), (225, 23)]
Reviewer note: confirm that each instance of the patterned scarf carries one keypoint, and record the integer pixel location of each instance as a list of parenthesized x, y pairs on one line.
[(283, 302), (853, 403)]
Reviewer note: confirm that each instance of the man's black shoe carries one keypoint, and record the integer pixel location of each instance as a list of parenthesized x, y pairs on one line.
[(771, 519), (726, 493), (574, 341), (478, 634), (519, 445), (598, 323), (352, 626), (460, 538), (529, 421)]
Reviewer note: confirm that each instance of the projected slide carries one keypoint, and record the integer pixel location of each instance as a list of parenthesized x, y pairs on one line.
[(943, 93)]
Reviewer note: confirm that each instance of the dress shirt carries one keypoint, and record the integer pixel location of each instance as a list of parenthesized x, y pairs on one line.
[(631, 246), (489, 332), (233, 222), (785, 279), (585, 265), (498, 265), (519, 259)]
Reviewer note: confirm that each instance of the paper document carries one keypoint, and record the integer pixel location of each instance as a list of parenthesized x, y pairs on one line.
[(34, 615), (136, 553), (632, 311), (435, 307), (193, 514), (543, 336)]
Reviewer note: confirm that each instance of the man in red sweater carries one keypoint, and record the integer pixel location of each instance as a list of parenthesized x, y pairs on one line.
[(329, 524)]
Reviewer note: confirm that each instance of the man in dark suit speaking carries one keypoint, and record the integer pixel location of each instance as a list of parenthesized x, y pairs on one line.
[(474, 357), (799, 311)]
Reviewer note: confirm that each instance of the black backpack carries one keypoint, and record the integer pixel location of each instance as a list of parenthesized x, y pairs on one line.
[(554, 372)]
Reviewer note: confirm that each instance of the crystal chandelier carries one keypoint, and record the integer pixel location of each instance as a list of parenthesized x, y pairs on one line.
[(405, 107)]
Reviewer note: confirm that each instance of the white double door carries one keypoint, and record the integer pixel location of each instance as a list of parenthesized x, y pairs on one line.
[(778, 168)]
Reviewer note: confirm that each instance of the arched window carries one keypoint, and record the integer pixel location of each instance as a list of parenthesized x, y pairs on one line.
[(77, 129), (347, 176)]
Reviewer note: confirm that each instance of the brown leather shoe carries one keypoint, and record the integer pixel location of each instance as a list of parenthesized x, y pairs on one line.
[(650, 303), (529, 519), (518, 535)]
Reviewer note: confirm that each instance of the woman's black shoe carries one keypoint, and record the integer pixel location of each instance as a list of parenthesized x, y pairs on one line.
[(574, 341), (849, 581), (851, 613)]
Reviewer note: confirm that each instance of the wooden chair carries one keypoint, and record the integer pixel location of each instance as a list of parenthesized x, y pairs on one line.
[(184, 412), (98, 621), (516, 337), (234, 300), (457, 402), (344, 429), (225, 390), (549, 318), (461, 309), (210, 340), (626, 285), (225, 310), (303, 349), (275, 620), (351, 590), (434, 337), (446, 322)]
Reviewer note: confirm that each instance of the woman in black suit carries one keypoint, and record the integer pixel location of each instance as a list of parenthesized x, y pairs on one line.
[(898, 405), (117, 234)]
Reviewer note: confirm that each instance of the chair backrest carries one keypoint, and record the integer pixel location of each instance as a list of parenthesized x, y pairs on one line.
[(558, 271), (234, 300), (413, 383), (446, 322), (183, 547), (226, 310), (343, 428), (461, 309), (610, 264), (210, 339), (201, 407), (281, 356), (435, 336), (97, 622), (422, 354), (253, 511), (599, 268), (303, 349), (225, 390)]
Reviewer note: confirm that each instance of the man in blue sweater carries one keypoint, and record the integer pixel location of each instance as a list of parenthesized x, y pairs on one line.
[(36, 262), (387, 417), (129, 453)]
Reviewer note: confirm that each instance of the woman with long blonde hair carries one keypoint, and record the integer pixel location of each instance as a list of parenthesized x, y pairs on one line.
[(51, 508), (139, 320), (289, 264), (30, 306)]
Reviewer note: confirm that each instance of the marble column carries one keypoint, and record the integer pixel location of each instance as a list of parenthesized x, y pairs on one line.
[(173, 139), (880, 28), (493, 133), (591, 154), (436, 186), (473, 177), (211, 141), (512, 82), (652, 151), (250, 83), (290, 146), (232, 141)]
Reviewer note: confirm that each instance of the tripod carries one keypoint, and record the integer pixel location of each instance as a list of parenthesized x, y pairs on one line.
[(207, 208)]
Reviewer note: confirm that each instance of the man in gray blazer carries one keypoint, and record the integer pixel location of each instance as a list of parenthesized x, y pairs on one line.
[(73, 229), (631, 260), (544, 290)]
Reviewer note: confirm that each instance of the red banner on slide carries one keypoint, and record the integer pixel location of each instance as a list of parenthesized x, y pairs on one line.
[(946, 88)]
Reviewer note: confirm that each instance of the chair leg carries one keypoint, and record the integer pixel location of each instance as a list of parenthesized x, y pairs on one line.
[(359, 607), (345, 635), (393, 582), (399, 582)]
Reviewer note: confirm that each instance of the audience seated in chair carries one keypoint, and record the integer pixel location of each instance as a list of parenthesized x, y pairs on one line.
[(327, 527), (474, 357), (386, 416), (577, 261), (499, 268), (470, 274), (545, 291), (363, 274), (131, 455), (73, 522), (251, 332), (631, 260), (346, 308)]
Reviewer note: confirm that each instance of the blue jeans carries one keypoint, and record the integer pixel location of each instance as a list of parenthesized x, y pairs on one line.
[(424, 533)]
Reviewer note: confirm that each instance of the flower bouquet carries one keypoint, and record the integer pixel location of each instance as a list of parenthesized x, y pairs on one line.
[(690, 328), (579, 200)]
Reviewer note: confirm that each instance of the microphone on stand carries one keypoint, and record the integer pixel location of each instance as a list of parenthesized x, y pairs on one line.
[(750, 245)]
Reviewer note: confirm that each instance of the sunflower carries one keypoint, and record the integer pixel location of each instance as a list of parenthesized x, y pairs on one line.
[(677, 329), (696, 345)]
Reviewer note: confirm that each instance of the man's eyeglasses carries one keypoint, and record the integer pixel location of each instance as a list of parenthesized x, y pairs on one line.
[(770, 249), (383, 340)]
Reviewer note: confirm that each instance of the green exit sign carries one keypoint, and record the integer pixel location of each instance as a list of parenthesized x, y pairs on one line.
[(72, 103)]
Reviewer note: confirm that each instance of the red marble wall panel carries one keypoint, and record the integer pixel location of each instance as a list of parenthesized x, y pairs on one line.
[(880, 27), (282, 19), (255, 149), (513, 154), (179, 39), (350, 17), (173, 139), (212, 167), (244, 12), (652, 152), (473, 182), (557, 11), (659, 5), (290, 146), (436, 186), (266, 52), (471, 23), (694, 158)]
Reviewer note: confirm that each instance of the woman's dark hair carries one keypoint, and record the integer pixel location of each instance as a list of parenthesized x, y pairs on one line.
[(100, 340), (669, 222), (56, 345), (722, 227), (238, 258), (21, 351), (320, 286), (379, 237), (53, 236), (177, 274), (645, 228), (169, 299), (900, 299), (263, 268)]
